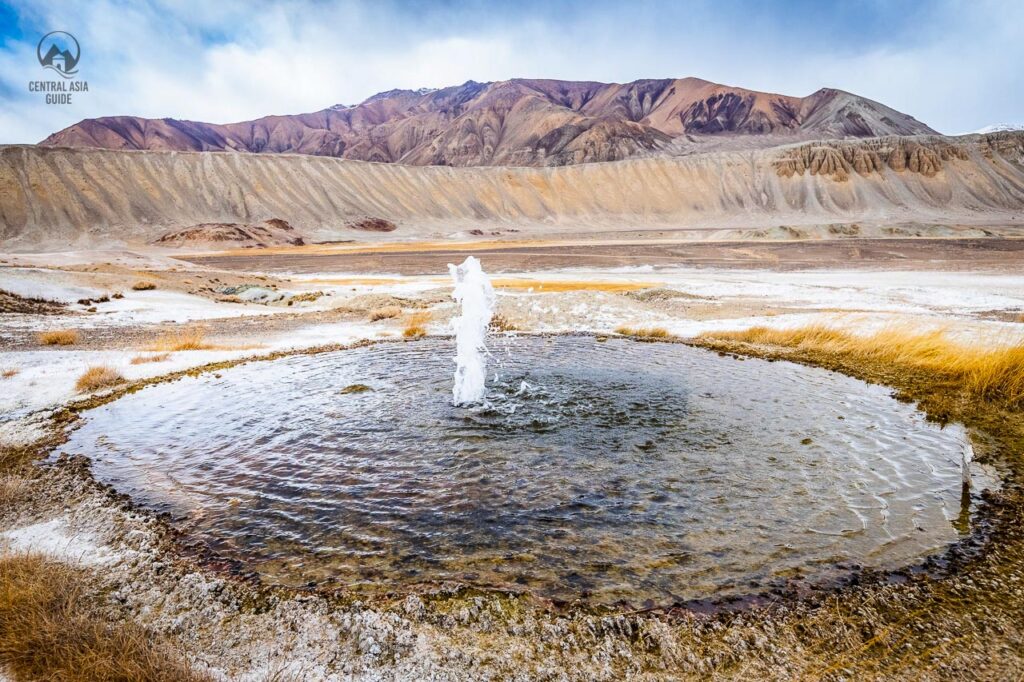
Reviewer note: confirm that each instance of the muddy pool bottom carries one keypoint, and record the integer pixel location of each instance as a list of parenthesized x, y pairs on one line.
[(610, 471)]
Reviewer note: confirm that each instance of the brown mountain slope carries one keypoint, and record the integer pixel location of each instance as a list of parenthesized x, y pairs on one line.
[(517, 122), (56, 198)]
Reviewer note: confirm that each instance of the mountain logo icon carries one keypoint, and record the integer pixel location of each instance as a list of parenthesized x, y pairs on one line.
[(59, 50)]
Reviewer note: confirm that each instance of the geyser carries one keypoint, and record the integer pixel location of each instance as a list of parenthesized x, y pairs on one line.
[(474, 293)]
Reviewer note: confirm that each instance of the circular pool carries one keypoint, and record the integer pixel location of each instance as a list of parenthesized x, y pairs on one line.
[(612, 471)]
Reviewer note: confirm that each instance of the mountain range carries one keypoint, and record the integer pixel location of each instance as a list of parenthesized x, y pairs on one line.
[(520, 122)]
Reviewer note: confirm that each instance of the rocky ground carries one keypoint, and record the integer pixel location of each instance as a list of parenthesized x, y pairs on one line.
[(959, 619)]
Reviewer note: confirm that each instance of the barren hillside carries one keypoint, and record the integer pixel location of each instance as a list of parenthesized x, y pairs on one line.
[(59, 197), (517, 122)]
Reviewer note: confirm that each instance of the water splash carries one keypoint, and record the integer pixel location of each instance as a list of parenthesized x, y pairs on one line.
[(473, 291), (966, 457)]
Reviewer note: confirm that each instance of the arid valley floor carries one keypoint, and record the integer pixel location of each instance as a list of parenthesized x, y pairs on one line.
[(152, 314)]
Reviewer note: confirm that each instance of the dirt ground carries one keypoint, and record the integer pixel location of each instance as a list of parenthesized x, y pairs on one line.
[(988, 254)]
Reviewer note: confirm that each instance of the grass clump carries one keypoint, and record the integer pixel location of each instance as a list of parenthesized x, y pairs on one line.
[(415, 326), (9, 373), (143, 359), (50, 629), (59, 337), (386, 313), (143, 285), (192, 338), (355, 388), (14, 492), (992, 373), (306, 297), (97, 377), (643, 332), (500, 323)]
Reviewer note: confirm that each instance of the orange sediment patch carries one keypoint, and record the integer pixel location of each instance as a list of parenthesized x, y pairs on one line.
[(425, 246), (386, 247)]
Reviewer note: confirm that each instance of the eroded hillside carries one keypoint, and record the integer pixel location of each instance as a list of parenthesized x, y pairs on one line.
[(51, 196)]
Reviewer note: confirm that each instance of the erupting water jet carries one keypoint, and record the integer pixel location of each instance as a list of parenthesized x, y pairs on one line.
[(474, 293)]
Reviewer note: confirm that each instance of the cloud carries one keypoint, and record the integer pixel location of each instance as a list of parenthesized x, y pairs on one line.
[(953, 65)]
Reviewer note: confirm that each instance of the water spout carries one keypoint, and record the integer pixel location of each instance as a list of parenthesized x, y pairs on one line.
[(474, 293), (966, 457)]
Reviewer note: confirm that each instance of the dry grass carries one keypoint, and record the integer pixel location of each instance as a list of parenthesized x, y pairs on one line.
[(59, 337), (143, 285), (306, 297), (50, 630), (192, 338), (643, 332), (143, 359), (97, 377), (992, 373), (8, 373), (415, 325), (500, 323), (14, 492), (386, 313)]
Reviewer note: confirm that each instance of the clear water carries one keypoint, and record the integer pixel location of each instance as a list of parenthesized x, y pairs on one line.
[(611, 471)]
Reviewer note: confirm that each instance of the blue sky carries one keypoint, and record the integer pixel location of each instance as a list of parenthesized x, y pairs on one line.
[(954, 65)]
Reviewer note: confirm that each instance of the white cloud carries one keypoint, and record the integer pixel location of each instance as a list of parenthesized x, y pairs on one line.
[(231, 61)]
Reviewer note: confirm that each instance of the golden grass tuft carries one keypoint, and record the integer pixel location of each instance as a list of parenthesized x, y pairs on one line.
[(192, 338), (8, 373), (992, 373), (143, 285), (643, 332), (415, 325), (97, 377), (305, 297), (59, 337), (51, 630), (500, 323), (14, 492), (386, 313), (143, 359)]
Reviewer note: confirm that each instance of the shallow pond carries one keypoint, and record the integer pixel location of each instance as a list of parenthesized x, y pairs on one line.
[(608, 470)]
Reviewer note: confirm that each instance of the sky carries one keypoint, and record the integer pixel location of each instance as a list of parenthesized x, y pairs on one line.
[(955, 65)]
